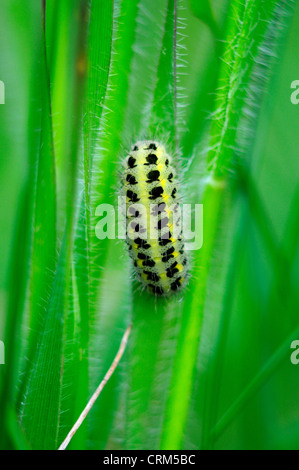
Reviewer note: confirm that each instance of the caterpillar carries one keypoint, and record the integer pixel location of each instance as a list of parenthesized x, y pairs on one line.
[(154, 235)]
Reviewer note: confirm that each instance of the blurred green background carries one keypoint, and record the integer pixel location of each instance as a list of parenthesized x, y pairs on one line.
[(210, 367)]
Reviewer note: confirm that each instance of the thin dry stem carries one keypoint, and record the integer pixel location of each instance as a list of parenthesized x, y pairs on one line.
[(96, 394)]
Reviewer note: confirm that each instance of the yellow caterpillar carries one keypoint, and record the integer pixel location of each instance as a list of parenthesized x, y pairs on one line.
[(154, 235)]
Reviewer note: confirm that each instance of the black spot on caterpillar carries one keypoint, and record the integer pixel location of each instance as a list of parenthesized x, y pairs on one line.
[(153, 176), (131, 162), (149, 179), (132, 196), (131, 179), (151, 159), (155, 193)]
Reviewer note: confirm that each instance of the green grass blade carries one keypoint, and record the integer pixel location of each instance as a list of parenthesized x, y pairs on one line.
[(153, 336), (40, 410)]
